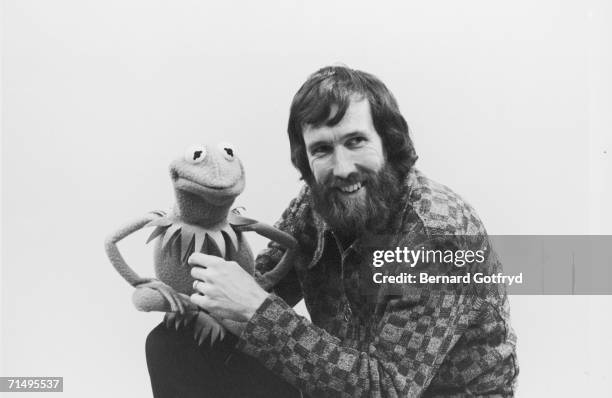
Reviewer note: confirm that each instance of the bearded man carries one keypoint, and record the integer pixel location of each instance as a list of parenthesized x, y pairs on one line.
[(352, 147)]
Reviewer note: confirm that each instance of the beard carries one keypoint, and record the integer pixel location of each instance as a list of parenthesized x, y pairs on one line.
[(368, 211)]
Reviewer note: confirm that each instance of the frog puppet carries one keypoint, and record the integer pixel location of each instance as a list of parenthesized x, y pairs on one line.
[(206, 181)]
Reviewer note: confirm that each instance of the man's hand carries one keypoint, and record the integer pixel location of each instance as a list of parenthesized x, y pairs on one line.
[(227, 291)]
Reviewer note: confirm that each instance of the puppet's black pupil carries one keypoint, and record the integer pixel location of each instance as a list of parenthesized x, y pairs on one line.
[(229, 151), (197, 154)]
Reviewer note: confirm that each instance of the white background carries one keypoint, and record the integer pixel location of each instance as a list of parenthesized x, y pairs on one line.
[(509, 103)]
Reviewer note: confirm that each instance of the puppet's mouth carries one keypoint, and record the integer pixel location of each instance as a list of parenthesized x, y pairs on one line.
[(180, 180), (217, 194), (190, 185)]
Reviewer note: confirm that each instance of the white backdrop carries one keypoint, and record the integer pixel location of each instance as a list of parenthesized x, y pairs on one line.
[(508, 102)]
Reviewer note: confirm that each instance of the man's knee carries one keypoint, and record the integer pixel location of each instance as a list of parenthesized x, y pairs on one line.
[(178, 364), (155, 339), (160, 344), (177, 346)]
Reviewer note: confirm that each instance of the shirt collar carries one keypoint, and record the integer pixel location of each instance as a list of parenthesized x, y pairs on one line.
[(322, 230)]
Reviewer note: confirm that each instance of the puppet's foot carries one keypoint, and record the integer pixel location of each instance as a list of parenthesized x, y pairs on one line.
[(176, 320), (205, 325), (177, 303)]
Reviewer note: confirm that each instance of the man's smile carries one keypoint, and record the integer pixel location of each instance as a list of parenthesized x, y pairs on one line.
[(351, 188)]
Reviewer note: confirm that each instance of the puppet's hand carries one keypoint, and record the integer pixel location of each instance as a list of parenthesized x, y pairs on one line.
[(204, 326), (269, 279), (177, 303), (175, 319)]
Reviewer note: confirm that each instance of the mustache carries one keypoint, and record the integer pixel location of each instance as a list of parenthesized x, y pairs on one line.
[(361, 175)]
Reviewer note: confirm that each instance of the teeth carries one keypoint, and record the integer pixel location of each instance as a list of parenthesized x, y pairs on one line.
[(351, 188)]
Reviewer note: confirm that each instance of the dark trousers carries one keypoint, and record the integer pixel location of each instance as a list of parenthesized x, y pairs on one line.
[(179, 368)]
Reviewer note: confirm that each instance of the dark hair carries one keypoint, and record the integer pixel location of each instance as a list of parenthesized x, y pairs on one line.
[(336, 85)]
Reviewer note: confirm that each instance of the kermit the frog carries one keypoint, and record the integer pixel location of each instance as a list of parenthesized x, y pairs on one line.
[(206, 181)]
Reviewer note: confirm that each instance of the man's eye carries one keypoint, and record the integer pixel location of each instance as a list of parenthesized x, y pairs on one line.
[(321, 150), (355, 142)]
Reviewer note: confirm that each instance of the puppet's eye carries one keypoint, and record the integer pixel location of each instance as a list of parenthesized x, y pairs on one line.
[(227, 150), (195, 154)]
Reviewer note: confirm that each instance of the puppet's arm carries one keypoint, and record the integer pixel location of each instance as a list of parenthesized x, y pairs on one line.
[(268, 280), (148, 288), (205, 326)]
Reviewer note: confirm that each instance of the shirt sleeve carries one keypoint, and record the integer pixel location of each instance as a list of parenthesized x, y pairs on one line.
[(414, 335)]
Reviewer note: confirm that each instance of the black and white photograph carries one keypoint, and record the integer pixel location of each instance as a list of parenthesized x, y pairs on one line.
[(306, 199)]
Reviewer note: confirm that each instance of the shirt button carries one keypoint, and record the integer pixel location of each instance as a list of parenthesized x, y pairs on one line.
[(347, 313)]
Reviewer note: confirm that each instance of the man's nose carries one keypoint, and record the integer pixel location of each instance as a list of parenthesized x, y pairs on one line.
[(343, 164)]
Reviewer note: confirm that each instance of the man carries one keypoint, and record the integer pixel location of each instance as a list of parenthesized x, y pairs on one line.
[(363, 193)]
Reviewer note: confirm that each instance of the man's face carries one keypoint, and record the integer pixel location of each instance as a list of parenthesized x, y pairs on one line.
[(351, 177), (337, 153)]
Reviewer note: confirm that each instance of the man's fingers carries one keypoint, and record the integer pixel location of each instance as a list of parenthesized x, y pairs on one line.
[(204, 260), (201, 301), (203, 287), (205, 266), (208, 304), (199, 273)]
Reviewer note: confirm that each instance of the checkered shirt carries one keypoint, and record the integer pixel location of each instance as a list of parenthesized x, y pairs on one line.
[(385, 340)]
